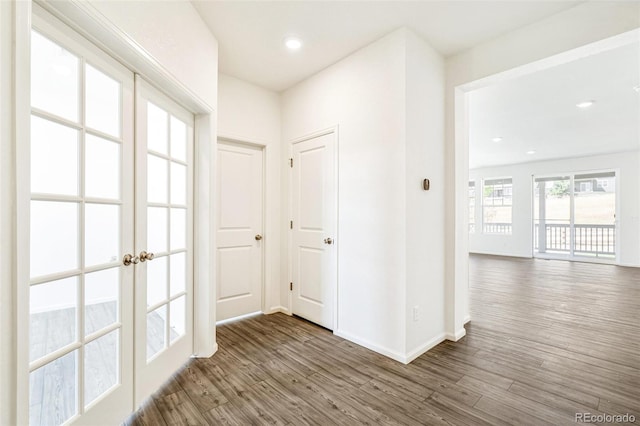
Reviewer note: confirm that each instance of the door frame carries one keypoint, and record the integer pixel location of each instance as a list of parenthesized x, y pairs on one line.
[(263, 219), (92, 25), (458, 135), (336, 138)]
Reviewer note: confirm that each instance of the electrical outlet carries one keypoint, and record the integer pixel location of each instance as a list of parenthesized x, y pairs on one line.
[(416, 313)]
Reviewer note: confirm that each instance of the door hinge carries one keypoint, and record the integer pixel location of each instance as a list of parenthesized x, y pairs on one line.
[(290, 286), (291, 162), (290, 224)]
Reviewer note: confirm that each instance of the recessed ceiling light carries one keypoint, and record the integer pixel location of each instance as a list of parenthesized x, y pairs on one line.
[(637, 88), (585, 104), (293, 43), (497, 139), (530, 152)]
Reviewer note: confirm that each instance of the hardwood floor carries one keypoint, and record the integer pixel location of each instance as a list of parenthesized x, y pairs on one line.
[(548, 339)]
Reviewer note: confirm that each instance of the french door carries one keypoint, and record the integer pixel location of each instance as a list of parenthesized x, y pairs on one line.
[(104, 313), (164, 229)]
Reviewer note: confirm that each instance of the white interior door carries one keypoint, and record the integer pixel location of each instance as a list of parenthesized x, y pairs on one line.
[(314, 213), (239, 230), (164, 238), (80, 308)]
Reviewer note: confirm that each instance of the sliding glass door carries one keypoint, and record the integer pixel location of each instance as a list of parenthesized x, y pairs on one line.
[(574, 216)]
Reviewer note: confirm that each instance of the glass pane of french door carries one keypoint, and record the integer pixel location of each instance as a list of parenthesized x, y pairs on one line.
[(81, 214), (164, 228)]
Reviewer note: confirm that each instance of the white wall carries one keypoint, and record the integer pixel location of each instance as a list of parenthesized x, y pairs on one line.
[(175, 35), (424, 210), (364, 95), (248, 113), (575, 27), (520, 243), (384, 154)]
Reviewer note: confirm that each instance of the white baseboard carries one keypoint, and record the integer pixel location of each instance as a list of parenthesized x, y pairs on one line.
[(628, 265), (373, 346), (278, 309), (425, 347), (454, 337), (466, 319), (213, 351)]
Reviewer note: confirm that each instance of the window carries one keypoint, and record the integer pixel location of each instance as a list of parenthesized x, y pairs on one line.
[(497, 206), (472, 207)]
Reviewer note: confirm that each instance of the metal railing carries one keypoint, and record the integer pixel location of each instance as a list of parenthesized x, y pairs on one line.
[(590, 239)]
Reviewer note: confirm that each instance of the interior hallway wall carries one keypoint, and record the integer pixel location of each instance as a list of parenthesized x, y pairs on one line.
[(384, 153), (249, 113)]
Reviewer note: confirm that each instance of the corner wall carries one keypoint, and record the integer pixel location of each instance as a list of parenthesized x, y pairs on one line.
[(387, 100), (586, 23), (363, 94), (424, 209)]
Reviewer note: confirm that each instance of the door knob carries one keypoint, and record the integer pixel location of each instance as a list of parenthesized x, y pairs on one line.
[(328, 241), (258, 237), (144, 256), (128, 259)]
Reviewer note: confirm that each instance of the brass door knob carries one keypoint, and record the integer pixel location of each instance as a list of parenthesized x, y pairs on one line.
[(144, 256), (328, 241), (128, 259), (258, 237)]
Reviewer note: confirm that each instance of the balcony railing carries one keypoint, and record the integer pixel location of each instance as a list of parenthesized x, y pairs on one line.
[(497, 228), (589, 239)]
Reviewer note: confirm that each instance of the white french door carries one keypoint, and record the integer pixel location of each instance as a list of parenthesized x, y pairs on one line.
[(110, 280), (81, 222), (314, 226), (164, 230)]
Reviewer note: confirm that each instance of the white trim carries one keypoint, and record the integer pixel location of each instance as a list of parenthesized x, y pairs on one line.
[(7, 217), (426, 346), (22, 58), (239, 318), (373, 346), (454, 337), (84, 18), (466, 320), (279, 309)]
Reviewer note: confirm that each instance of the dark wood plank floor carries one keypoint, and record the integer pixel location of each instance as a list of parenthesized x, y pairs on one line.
[(548, 339)]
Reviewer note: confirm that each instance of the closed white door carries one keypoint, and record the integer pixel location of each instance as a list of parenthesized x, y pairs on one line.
[(240, 237), (80, 298), (164, 234), (314, 225)]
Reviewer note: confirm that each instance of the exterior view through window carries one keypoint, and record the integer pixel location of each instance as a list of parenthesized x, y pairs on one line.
[(497, 197), (575, 215)]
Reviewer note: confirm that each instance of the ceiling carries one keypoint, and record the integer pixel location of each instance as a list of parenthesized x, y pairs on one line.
[(538, 112), (251, 33)]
